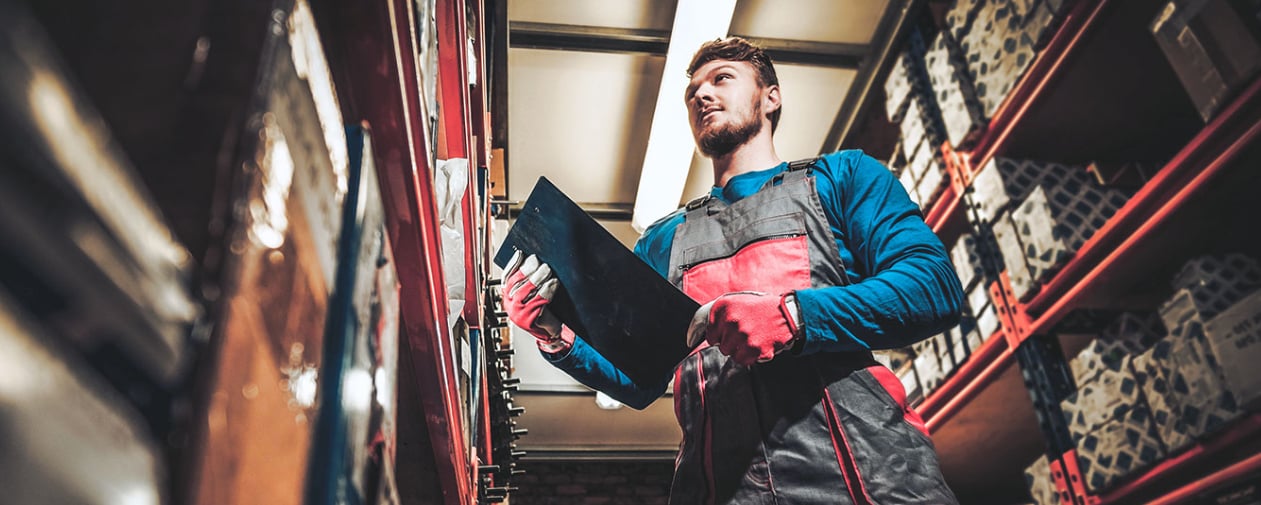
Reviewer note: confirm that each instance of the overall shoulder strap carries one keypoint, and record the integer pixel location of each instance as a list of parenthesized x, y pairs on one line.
[(796, 171)]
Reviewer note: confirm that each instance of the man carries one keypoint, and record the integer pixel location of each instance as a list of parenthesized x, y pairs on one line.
[(802, 268)]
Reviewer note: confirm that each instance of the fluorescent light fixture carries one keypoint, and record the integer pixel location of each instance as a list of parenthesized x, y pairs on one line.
[(670, 145)]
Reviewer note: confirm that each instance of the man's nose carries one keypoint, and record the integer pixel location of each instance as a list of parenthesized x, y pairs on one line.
[(704, 94)]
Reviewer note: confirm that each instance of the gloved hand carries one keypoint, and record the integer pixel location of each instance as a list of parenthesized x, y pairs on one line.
[(748, 326), (528, 287)]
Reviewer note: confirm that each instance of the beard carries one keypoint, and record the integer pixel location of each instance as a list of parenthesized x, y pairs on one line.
[(722, 139)]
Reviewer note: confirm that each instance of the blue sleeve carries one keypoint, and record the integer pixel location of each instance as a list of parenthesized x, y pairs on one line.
[(586, 365), (908, 290)]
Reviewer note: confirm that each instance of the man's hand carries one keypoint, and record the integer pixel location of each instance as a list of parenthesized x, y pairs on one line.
[(749, 327), (528, 287)]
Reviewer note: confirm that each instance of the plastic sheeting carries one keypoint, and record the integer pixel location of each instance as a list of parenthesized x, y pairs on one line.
[(450, 183)]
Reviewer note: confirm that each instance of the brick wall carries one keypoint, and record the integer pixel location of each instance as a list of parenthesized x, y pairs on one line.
[(593, 483)]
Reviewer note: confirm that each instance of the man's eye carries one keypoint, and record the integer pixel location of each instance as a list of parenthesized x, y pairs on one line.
[(722, 77)]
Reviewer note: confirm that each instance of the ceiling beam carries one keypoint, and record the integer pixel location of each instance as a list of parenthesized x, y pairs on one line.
[(564, 37), (898, 19)]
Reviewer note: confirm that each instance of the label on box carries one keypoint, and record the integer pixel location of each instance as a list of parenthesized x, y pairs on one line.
[(1235, 338)]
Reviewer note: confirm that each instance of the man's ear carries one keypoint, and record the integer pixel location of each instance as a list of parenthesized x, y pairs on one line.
[(770, 100)]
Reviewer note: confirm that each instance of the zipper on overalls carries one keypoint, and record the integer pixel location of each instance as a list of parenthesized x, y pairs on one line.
[(687, 266)]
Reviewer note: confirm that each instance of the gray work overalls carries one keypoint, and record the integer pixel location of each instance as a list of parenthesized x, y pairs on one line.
[(822, 428)]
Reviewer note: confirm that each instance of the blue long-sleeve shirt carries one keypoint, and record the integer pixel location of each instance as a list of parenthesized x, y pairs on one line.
[(903, 288)]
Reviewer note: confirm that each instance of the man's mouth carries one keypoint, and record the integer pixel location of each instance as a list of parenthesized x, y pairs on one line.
[(707, 113)]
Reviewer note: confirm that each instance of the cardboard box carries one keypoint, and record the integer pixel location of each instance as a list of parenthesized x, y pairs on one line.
[(908, 183), (1129, 335), (1209, 404), (1119, 448), (1013, 251), (987, 321), (1041, 485), (952, 88), (1161, 388), (931, 185), (906, 77), (1109, 394), (978, 298), (967, 261), (911, 383), (1005, 182), (1234, 337), (961, 15), (928, 369), (998, 52), (1237, 273), (1211, 49), (919, 161)]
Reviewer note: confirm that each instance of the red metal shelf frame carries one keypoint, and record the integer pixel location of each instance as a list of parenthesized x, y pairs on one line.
[(947, 203), (998, 353), (1206, 157), (987, 363), (378, 51)]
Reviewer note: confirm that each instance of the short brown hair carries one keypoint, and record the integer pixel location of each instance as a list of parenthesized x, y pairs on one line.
[(738, 49)]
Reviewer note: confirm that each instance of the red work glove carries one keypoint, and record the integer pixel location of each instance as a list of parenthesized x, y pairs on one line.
[(528, 287), (749, 327)]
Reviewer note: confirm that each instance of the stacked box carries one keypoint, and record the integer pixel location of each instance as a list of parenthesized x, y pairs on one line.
[(960, 17), (961, 112), (1234, 336), (1013, 252), (911, 383), (1041, 485), (998, 52), (908, 183), (928, 369), (918, 160), (894, 359), (966, 257), (1004, 182), (1108, 416), (945, 360), (1129, 335), (912, 128), (1108, 392), (906, 78), (932, 183), (1118, 449), (1040, 21), (922, 122), (1234, 275), (1182, 368), (1181, 375), (1163, 389), (1208, 285), (1211, 49), (1055, 221), (983, 310)]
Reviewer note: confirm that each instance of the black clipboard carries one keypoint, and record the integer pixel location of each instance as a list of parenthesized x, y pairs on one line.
[(613, 300)]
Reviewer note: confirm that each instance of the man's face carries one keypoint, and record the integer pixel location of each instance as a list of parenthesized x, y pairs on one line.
[(725, 105)]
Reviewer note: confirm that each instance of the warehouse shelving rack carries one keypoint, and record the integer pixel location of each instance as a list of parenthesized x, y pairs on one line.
[(1120, 251), (380, 68)]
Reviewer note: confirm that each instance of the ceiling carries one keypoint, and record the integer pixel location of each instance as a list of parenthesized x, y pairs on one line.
[(583, 82)]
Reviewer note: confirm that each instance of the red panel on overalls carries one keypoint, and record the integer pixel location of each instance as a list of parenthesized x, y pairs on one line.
[(774, 266)]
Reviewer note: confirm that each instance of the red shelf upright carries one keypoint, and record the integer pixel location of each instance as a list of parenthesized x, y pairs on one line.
[(1205, 158)]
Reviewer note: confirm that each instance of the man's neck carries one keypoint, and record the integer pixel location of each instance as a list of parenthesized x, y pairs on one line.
[(756, 154)]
